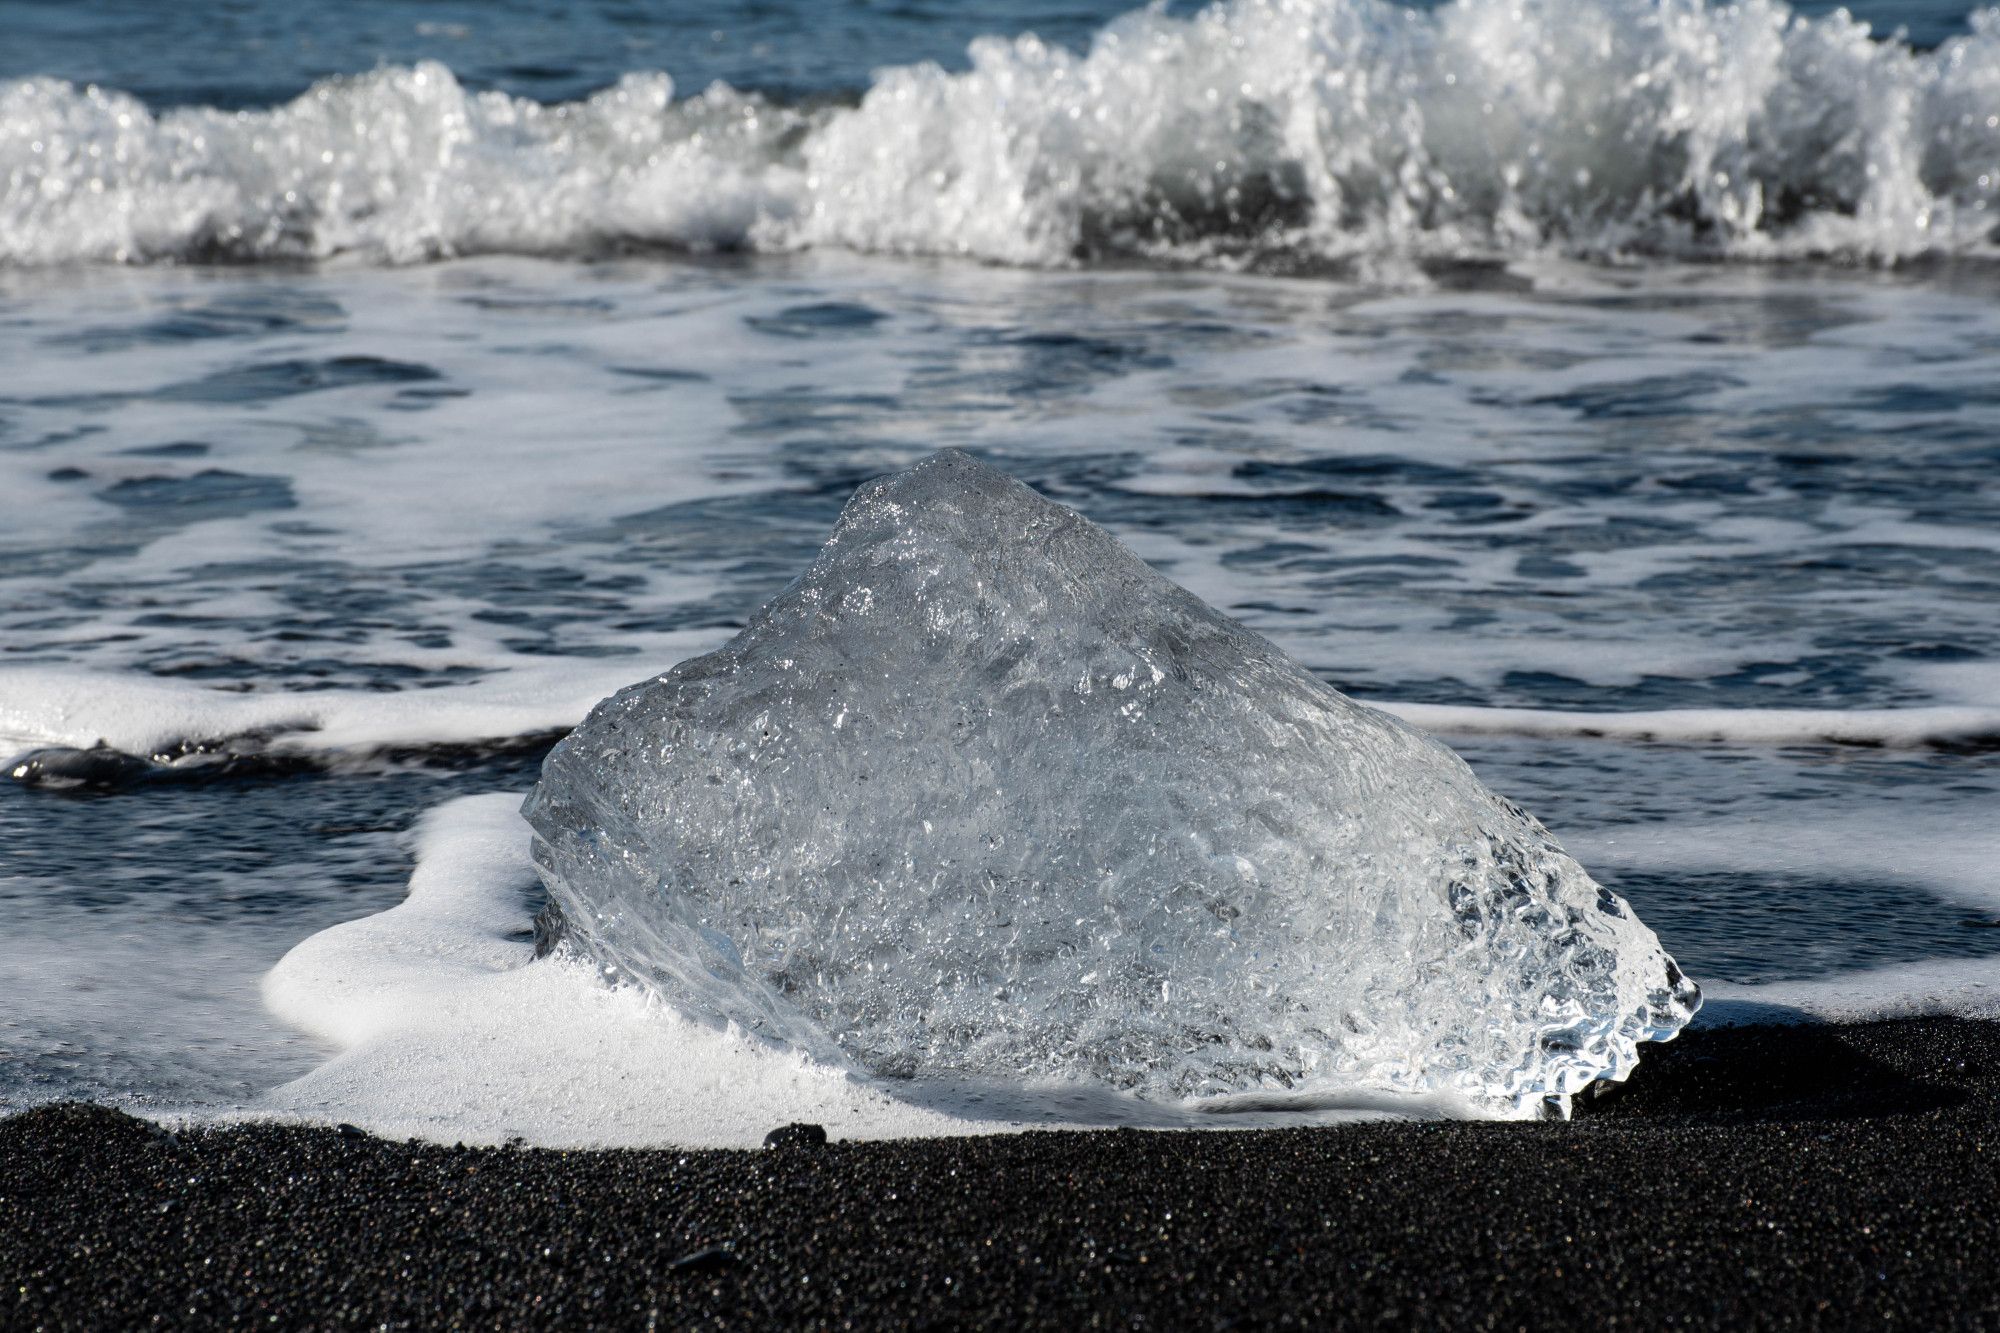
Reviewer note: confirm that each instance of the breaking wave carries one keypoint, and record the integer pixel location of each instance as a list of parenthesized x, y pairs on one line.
[(1265, 132)]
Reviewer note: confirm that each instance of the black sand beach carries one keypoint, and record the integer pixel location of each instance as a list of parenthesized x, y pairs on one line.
[(1746, 1178)]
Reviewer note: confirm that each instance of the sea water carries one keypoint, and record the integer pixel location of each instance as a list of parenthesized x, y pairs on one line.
[(357, 436)]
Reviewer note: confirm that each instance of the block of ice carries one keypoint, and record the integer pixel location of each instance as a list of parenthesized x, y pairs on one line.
[(982, 796)]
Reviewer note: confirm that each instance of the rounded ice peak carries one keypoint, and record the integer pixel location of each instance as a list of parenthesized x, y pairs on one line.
[(972, 545), (981, 796)]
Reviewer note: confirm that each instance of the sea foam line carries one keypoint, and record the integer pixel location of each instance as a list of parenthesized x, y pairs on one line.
[(146, 715), (1915, 727), (42, 707)]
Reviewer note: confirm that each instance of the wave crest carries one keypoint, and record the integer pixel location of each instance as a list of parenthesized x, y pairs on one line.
[(1256, 131)]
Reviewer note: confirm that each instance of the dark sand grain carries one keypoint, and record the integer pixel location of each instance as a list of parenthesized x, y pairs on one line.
[(1757, 1177)]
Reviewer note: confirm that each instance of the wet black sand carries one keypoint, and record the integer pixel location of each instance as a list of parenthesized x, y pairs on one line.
[(1755, 1177)]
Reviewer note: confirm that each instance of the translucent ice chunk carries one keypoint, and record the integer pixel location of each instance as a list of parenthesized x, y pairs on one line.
[(982, 796)]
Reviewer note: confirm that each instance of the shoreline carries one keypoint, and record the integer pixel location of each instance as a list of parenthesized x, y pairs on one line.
[(1796, 1176)]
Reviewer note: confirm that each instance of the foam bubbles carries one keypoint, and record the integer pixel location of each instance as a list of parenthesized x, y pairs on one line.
[(399, 165), (1256, 130), (1903, 727)]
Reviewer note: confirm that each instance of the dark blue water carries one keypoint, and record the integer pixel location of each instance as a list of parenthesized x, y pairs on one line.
[(257, 54), (260, 52)]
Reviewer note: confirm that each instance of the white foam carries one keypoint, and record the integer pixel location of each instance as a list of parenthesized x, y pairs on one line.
[(136, 1006), (144, 715), (140, 715), (555, 443), (1948, 846), (451, 1031), (1333, 128), (1915, 726), (1960, 681), (1954, 987)]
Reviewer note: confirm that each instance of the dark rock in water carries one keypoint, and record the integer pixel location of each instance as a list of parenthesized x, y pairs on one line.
[(798, 1135), (982, 796), (100, 768)]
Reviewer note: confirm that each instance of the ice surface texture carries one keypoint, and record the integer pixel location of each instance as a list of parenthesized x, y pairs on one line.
[(982, 796)]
